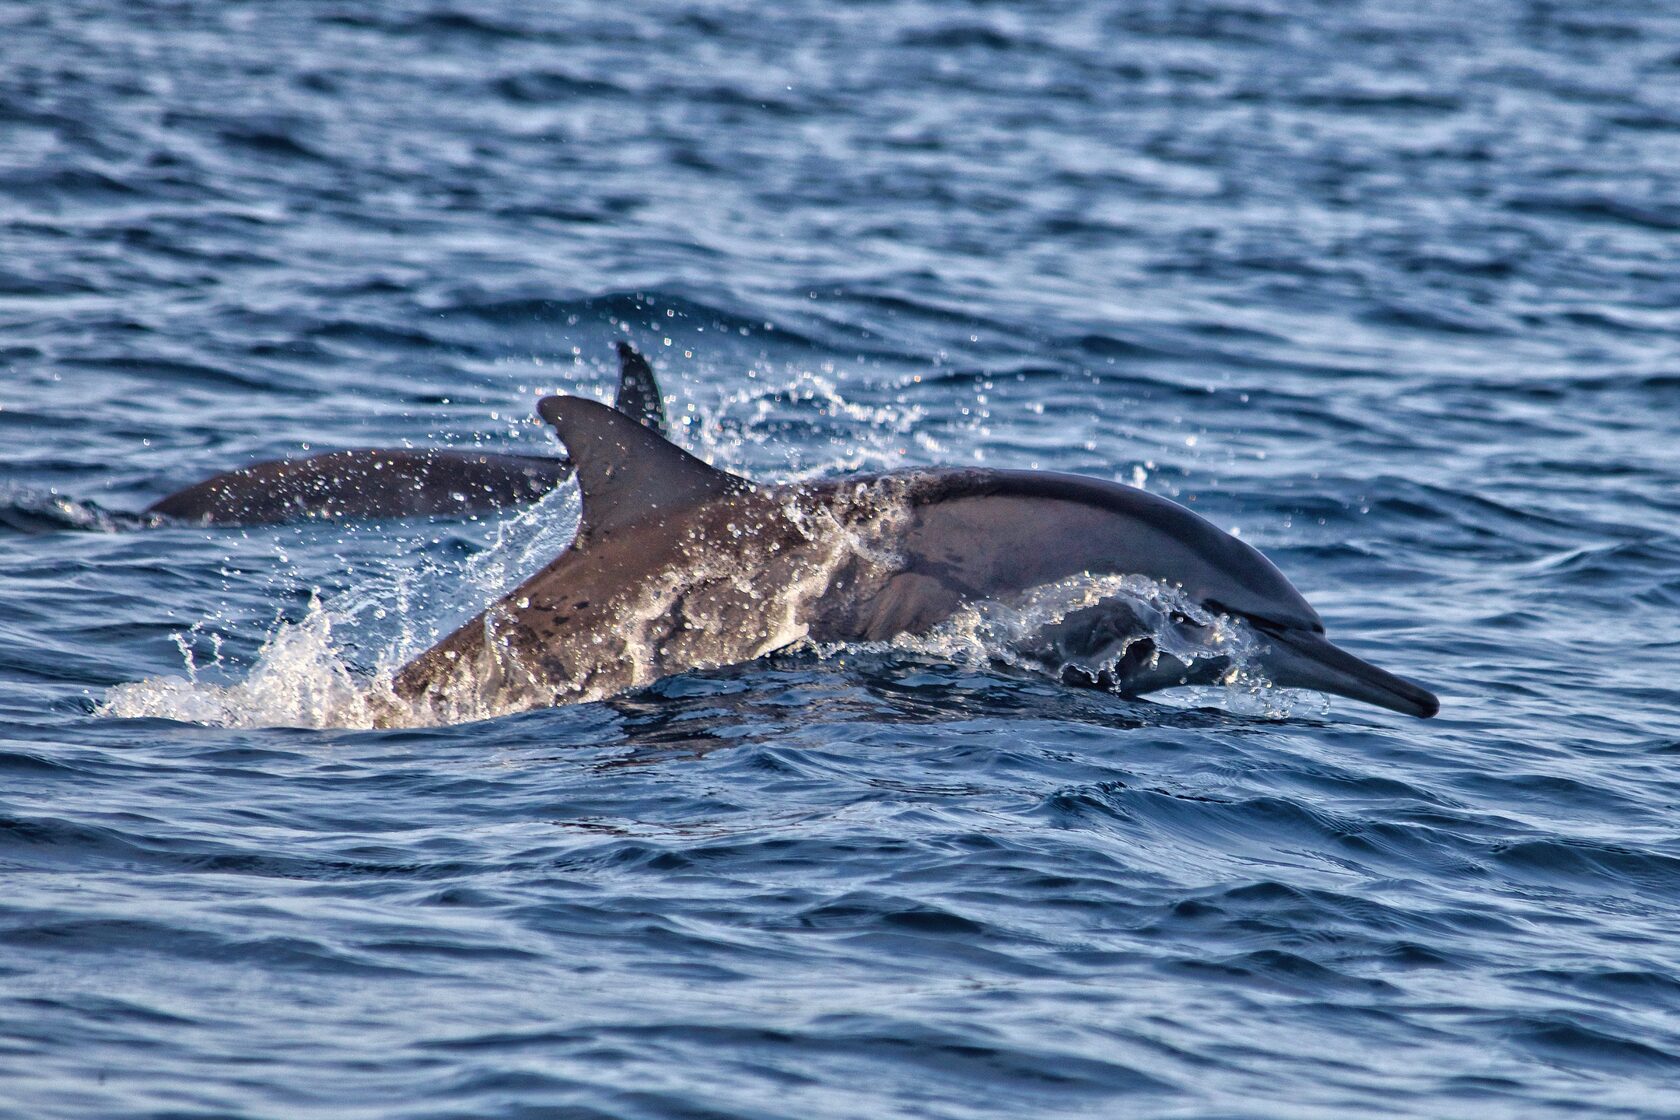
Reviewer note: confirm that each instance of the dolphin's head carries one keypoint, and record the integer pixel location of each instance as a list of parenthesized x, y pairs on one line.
[(1236, 579), (1008, 519)]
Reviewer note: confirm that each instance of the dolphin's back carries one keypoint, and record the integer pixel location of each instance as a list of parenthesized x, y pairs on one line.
[(376, 482)]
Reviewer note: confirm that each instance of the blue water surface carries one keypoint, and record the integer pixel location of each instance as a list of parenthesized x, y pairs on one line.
[(1390, 289)]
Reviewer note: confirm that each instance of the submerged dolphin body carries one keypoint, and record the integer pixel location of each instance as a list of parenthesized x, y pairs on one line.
[(395, 482), (678, 566)]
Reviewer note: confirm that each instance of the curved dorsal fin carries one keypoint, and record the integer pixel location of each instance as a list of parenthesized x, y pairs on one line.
[(628, 473), (638, 392)]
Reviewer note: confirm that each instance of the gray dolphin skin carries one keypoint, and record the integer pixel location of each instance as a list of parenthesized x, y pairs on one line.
[(368, 483), (679, 566)]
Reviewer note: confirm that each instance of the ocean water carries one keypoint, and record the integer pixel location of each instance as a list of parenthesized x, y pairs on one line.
[(1391, 290)]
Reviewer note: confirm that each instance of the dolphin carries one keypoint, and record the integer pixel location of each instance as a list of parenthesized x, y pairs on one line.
[(678, 566), (394, 482)]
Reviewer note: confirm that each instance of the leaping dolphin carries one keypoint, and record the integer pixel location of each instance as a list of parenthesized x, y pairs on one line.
[(394, 482), (677, 566)]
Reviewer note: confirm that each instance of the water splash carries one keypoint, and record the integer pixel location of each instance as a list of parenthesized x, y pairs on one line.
[(1168, 625), (334, 667), (301, 678), (802, 417)]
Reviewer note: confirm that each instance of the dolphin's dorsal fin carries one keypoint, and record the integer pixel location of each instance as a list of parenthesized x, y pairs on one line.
[(638, 392), (628, 473)]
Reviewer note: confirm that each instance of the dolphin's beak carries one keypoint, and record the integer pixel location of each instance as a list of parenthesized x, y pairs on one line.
[(1296, 658)]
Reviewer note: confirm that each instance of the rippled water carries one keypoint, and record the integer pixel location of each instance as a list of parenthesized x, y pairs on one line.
[(1391, 290)]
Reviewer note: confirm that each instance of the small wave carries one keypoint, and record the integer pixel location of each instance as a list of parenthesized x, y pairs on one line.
[(442, 23), (1654, 215), (177, 372), (1380, 100), (651, 309), (268, 140), (958, 36), (79, 183), (1587, 1041), (546, 86), (53, 513)]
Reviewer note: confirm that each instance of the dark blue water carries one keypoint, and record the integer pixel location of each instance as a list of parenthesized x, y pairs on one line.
[(1391, 289)]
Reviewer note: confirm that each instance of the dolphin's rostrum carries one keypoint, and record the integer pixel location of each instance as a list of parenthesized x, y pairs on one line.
[(679, 566)]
